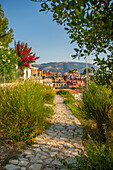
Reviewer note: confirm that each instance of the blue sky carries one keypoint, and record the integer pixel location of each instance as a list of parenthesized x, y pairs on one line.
[(47, 39)]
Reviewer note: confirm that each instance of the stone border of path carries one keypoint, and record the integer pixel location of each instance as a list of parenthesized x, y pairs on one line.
[(62, 139)]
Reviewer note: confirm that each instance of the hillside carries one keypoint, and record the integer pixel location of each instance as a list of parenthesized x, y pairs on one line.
[(63, 66)]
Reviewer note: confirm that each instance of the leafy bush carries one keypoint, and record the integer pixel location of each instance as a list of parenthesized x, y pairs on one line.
[(22, 110), (48, 95), (65, 94), (97, 103), (8, 62), (68, 101), (98, 157)]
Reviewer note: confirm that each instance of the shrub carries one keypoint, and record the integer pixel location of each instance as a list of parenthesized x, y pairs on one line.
[(22, 110), (97, 158), (65, 94), (69, 101), (98, 155), (8, 62), (97, 103), (48, 95)]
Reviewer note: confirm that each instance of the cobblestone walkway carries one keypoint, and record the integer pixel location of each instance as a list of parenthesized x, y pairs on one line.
[(62, 139)]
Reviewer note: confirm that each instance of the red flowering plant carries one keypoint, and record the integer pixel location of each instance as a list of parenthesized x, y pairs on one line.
[(25, 54)]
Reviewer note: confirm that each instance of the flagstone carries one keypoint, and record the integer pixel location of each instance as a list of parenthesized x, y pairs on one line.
[(56, 162), (35, 167), (12, 167), (36, 160), (63, 139), (23, 163), (13, 162), (23, 168)]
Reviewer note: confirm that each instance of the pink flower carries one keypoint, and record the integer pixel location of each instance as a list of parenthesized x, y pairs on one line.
[(29, 50), (21, 53), (30, 53), (26, 58), (21, 60), (33, 56), (25, 54), (27, 64), (36, 58)]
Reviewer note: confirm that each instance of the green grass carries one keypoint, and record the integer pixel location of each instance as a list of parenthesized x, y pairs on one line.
[(97, 155), (22, 111)]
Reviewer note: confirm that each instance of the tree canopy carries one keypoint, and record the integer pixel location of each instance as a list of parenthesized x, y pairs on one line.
[(6, 35), (8, 58), (89, 70), (88, 22)]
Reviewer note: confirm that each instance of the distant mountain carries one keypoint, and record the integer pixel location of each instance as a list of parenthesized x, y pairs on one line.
[(63, 66)]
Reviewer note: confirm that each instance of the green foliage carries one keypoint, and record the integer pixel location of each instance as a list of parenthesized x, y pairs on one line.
[(69, 101), (22, 110), (104, 75), (89, 70), (5, 36), (49, 95), (89, 23), (97, 157), (63, 92), (8, 59), (73, 71), (97, 103), (8, 63)]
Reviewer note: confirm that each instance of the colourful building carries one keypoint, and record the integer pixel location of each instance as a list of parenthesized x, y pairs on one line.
[(59, 83), (77, 83)]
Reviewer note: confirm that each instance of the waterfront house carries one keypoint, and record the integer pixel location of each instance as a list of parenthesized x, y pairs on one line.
[(48, 81), (59, 83), (34, 71), (59, 74), (76, 83), (65, 75), (54, 75), (27, 73), (39, 72), (70, 76), (47, 74), (76, 74)]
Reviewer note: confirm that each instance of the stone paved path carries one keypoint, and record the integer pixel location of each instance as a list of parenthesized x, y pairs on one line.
[(62, 139)]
